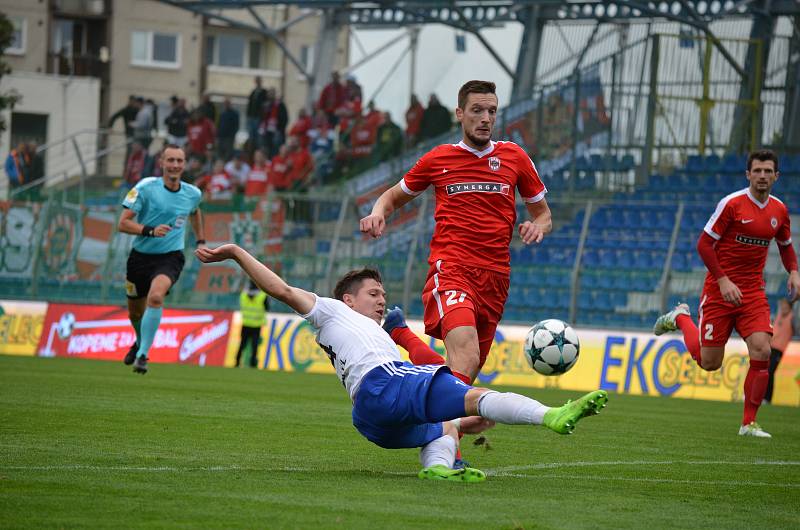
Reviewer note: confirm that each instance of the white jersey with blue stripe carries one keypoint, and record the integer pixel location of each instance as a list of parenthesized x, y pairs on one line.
[(155, 204), (355, 344)]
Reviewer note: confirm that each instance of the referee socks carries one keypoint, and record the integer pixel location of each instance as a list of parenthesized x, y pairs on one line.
[(150, 321)]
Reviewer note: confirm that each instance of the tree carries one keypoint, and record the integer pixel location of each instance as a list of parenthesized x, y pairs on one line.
[(9, 98)]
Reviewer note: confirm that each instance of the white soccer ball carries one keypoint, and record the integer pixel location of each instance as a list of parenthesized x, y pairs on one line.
[(552, 347), (65, 325)]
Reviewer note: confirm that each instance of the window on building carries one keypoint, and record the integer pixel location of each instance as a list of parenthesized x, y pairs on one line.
[(307, 57), (254, 61), (18, 36), (235, 51), (150, 48), (210, 43), (231, 50)]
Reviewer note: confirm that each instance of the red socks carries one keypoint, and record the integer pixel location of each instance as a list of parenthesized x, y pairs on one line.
[(465, 378), (418, 351), (691, 337), (755, 386)]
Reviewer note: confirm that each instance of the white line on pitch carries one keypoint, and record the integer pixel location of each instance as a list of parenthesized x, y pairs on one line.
[(733, 483), (554, 465)]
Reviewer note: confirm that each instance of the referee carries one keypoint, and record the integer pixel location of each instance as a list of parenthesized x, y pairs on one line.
[(156, 211)]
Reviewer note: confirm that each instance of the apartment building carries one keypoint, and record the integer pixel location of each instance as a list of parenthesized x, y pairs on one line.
[(151, 49)]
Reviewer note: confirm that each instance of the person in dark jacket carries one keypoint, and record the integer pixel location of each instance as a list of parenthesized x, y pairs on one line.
[(226, 132), (176, 122), (436, 119), (255, 109), (128, 114)]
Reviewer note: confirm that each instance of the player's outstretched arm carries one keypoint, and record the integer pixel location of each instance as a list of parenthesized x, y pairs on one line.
[(127, 225), (269, 282), (541, 224), (196, 218), (390, 200)]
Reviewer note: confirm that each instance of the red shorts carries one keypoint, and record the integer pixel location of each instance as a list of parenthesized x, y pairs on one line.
[(456, 295), (718, 318)]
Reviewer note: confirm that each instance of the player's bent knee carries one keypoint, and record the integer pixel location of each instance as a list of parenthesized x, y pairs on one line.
[(471, 399), (155, 300), (711, 365)]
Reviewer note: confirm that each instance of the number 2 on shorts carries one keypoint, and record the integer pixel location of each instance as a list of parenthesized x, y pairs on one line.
[(451, 297), (709, 332)]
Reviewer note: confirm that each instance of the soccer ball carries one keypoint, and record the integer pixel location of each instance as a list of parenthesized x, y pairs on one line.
[(65, 325), (552, 347)]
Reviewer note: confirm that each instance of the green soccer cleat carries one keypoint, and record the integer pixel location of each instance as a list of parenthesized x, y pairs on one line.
[(464, 474), (753, 429), (563, 419), (666, 322)]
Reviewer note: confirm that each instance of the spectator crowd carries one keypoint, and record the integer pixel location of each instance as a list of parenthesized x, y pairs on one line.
[(337, 139)]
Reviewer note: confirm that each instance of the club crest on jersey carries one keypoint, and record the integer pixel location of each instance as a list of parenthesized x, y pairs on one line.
[(494, 163), (773, 222), (478, 187)]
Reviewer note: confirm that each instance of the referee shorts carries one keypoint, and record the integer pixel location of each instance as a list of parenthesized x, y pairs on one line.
[(142, 268)]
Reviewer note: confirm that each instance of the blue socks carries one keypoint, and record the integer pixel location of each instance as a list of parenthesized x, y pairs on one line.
[(149, 325)]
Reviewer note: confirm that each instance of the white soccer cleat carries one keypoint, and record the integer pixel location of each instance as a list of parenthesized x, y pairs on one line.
[(753, 429), (666, 322)]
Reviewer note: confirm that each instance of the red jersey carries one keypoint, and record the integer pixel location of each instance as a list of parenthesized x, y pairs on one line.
[(744, 228), (220, 182), (256, 183), (301, 164), (475, 200), (278, 175), (201, 134)]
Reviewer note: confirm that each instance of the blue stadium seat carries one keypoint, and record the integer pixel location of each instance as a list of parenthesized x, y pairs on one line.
[(694, 164), (627, 162), (712, 164), (733, 163)]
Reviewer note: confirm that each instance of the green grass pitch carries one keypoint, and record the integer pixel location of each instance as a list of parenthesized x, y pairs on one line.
[(90, 444)]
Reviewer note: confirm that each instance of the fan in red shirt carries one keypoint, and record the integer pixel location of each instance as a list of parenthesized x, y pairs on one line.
[(301, 127), (301, 165), (475, 183), (278, 175), (201, 132), (734, 246), (258, 176)]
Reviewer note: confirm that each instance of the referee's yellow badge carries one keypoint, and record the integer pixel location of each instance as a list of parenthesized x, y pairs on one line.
[(130, 288), (132, 195)]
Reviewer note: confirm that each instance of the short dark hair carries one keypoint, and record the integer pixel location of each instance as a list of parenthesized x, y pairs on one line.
[(474, 87), (350, 283), (764, 155), (172, 146)]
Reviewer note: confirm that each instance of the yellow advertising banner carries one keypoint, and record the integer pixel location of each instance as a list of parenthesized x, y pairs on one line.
[(622, 362), (20, 326)]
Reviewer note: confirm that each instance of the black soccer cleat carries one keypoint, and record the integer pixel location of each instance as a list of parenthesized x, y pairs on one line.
[(140, 365), (131, 355)]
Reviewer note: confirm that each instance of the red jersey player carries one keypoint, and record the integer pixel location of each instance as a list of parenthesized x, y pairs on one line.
[(475, 182), (734, 246)]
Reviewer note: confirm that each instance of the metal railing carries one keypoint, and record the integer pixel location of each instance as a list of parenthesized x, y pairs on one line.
[(609, 263), (71, 161)]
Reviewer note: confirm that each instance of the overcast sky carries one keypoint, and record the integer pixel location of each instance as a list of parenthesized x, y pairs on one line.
[(440, 68)]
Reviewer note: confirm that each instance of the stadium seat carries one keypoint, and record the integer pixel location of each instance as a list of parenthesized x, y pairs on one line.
[(711, 164), (694, 164)]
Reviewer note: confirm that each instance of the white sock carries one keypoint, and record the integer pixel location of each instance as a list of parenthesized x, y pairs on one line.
[(441, 451), (511, 409)]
